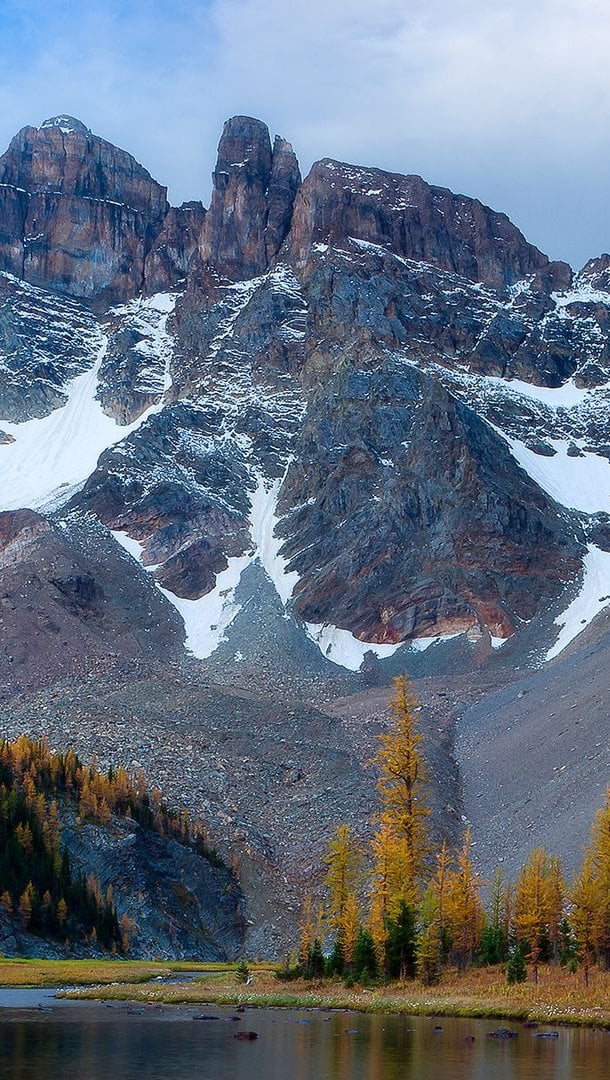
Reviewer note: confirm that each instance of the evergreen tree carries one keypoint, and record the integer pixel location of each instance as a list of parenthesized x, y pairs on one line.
[(364, 963), (516, 970), (316, 966), (568, 949), (493, 947), (400, 945)]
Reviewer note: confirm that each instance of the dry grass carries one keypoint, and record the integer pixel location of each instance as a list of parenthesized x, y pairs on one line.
[(558, 998), (95, 972)]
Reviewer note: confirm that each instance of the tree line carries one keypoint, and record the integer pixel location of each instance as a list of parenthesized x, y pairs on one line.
[(403, 909), (38, 883)]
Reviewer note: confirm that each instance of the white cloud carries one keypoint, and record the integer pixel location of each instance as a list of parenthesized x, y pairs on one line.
[(507, 101)]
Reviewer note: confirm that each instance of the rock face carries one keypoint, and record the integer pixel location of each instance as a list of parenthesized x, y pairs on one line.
[(81, 216), (38, 366), (252, 200), (169, 256), (181, 905), (412, 219), (411, 518)]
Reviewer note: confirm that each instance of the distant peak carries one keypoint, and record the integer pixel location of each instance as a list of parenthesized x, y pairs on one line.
[(67, 124)]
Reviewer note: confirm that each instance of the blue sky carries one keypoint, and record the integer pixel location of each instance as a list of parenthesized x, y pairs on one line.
[(507, 100)]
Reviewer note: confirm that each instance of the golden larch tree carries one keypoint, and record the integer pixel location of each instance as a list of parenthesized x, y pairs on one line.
[(585, 899), (343, 870), (401, 787), (464, 908), (533, 904), (599, 855), (440, 885)]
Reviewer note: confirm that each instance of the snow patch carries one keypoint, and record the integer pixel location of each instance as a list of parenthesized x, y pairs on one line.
[(263, 521), (207, 619), (498, 642), (580, 483), (342, 648), (593, 597), (560, 397), (52, 457), (582, 293), (422, 644), (131, 546)]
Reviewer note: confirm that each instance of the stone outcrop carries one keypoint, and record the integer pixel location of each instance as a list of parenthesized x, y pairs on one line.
[(81, 216), (251, 208), (412, 219)]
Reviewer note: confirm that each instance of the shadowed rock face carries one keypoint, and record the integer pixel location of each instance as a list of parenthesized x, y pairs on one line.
[(81, 216), (411, 516), (251, 208)]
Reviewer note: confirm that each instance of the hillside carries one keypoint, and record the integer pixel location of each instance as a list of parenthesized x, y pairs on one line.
[(93, 863)]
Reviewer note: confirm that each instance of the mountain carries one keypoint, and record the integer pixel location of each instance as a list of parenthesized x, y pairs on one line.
[(258, 459)]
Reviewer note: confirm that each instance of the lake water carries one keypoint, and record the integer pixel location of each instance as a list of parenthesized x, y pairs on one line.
[(43, 1040)]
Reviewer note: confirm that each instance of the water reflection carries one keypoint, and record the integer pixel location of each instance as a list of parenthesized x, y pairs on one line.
[(150, 1043)]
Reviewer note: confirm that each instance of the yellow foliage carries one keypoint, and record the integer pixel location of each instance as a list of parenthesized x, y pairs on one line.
[(464, 908), (401, 786), (343, 866)]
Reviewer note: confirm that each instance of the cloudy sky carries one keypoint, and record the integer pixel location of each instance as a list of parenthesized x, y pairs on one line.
[(507, 100)]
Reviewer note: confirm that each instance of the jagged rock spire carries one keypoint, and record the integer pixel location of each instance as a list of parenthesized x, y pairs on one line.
[(251, 209)]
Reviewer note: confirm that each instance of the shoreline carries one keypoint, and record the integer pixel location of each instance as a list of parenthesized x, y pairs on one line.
[(348, 1001), (481, 994)]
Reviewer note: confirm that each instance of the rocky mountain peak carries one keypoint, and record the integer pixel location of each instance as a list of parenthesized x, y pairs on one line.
[(81, 216), (253, 195), (63, 157), (412, 219), (596, 273), (67, 124)]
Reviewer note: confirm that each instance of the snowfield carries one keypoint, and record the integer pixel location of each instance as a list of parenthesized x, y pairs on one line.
[(52, 457)]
